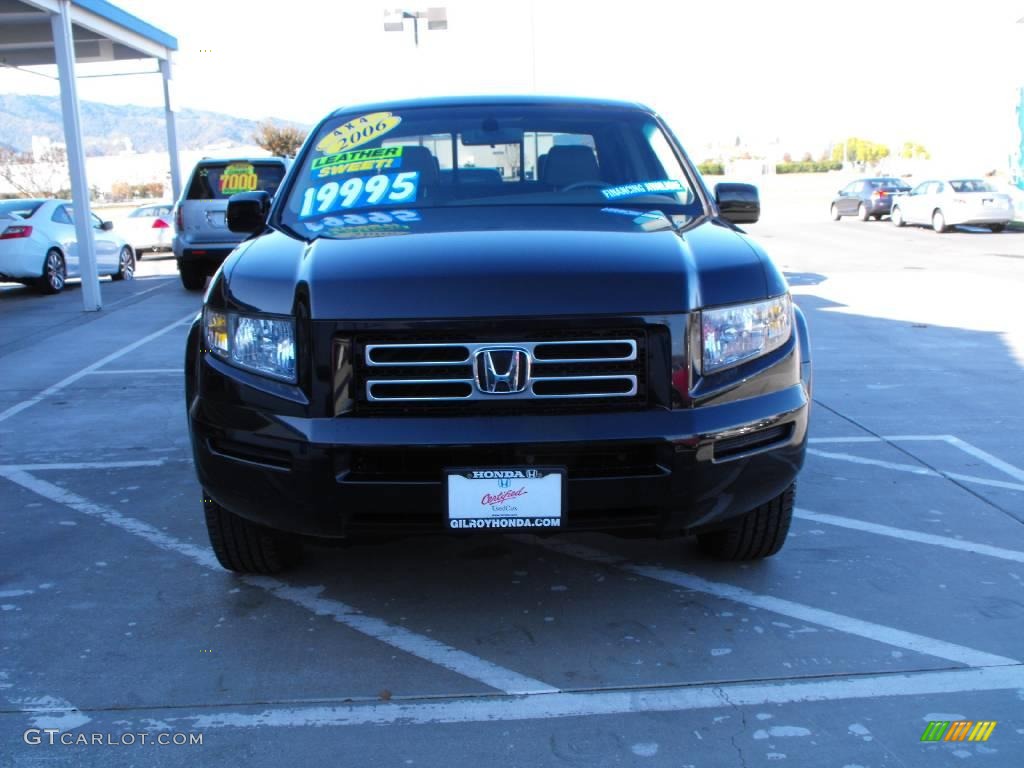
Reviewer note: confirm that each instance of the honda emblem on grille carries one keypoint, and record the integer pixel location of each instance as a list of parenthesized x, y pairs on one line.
[(501, 370)]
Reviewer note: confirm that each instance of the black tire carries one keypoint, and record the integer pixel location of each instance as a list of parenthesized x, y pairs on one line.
[(939, 222), (125, 265), (55, 273), (757, 534), (836, 215), (193, 275), (862, 212), (997, 227), (896, 217), (245, 547)]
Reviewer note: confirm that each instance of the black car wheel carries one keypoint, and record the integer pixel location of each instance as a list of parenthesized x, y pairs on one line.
[(835, 213), (245, 547), (125, 265), (897, 217), (55, 272), (757, 534), (997, 227), (862, 212), (193, 276)]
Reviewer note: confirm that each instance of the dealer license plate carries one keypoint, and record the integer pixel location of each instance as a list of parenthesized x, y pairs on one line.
[(506, 499)]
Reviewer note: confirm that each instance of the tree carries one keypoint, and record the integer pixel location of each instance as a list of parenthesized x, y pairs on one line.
[(46, 176), (281, 141), (857, 150), (912, 150)]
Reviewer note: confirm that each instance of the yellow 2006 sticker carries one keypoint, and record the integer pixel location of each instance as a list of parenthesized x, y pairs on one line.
[(238, 177), (358, 131)]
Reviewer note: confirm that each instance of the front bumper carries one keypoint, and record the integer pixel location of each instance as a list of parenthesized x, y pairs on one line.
[(661, 470)]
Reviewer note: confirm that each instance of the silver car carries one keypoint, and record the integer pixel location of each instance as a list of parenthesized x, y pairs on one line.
[(945, 203), (202, 239)]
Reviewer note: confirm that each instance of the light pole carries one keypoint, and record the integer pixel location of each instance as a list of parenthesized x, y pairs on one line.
[(437, 19)]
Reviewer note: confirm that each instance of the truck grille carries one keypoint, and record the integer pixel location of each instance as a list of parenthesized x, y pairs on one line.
[(510, 372)]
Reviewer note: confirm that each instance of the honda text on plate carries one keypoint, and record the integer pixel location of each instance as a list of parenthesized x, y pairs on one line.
[(496, 315)]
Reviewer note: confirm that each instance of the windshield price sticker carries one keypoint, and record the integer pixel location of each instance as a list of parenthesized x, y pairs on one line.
[(357, 161), (238, 177), (643, 188), (359, 192), (357, 132), (362, 225)]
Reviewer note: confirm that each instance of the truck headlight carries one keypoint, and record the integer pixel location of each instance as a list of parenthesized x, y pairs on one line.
[(264, 345), (733, 335)]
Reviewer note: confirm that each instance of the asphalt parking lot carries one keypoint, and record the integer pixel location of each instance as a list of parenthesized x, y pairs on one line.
[(898, 599)]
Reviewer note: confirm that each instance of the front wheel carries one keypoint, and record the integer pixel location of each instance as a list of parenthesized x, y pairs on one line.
[(757, 534), (125, 265), (193, 275), (55, 272), (939, 222), (834, 212), (897, 217), (245, 547)]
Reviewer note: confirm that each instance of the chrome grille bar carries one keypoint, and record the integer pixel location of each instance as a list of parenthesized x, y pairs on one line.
[(590, 382), (471, 349)]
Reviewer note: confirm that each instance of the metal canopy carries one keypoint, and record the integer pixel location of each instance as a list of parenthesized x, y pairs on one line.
[(66, 32)]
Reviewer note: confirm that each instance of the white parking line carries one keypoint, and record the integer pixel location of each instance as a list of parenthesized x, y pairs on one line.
[(133, 371), (1014, 472), (420, 646), (55, 388), (85, 465), (867, 629), (913, 469), (925, 471), (908, 535), (619, 702)]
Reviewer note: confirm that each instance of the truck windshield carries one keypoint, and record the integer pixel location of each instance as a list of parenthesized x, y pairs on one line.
[(429, 157)]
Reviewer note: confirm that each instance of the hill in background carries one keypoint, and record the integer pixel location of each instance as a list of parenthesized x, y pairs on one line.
[(106, 127)]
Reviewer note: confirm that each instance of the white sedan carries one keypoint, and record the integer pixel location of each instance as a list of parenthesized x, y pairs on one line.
[(945, 203), (148, 227), (38, 245)]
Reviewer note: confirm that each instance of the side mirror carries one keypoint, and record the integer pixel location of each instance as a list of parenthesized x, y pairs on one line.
[(738, 203), (841, 193), (106, 226), (247, 211)]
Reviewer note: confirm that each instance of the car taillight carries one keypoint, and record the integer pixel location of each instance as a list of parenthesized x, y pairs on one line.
[(15, 231), (880, 193), (159, 224), (179, 220)]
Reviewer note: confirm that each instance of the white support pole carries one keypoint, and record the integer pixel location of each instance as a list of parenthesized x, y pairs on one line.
[(64, 47), (172, 133)]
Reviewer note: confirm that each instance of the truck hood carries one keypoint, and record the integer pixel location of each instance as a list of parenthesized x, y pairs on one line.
[(511, 261)]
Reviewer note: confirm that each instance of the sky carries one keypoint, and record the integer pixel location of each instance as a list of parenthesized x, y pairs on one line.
[(806, 73)]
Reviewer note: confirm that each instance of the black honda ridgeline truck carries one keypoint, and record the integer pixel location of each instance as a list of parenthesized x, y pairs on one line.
[(496, 315)]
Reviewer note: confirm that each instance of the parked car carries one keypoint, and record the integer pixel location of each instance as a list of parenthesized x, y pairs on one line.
[(594, 346), (945, 203), (201, 235), (147, 228), (867, 198), (39, 246)]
